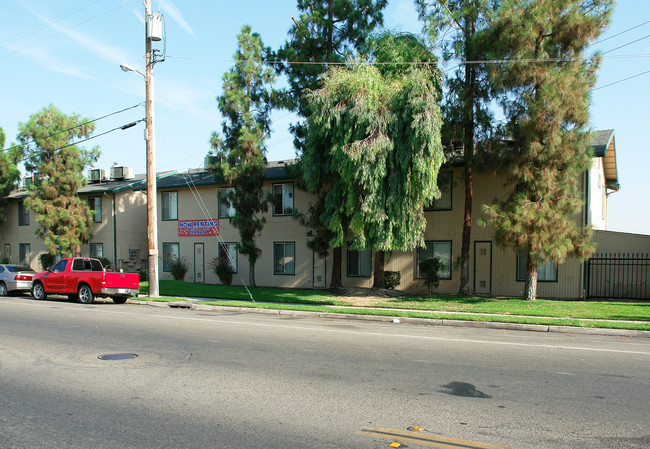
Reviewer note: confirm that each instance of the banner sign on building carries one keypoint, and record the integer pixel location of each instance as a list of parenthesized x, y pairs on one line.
[(198, 228)]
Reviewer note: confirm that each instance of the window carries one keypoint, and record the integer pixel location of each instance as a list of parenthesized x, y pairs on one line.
[(59, 267), (8, 252), (171, 252), (439, 249), (546, 269), (23, 214), (359, 263), (283, 258), (25, 254), (96, 250), (226, 206), (228, 254), (283, 199), (169, 206), (444, 184), (95, 205)]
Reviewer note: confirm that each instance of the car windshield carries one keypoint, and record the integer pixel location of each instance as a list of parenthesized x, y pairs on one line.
[(17, 268)]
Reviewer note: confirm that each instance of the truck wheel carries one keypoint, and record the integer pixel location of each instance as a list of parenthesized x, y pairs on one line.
[(38, 292), (119, 299), (3, 289), (85, 294)]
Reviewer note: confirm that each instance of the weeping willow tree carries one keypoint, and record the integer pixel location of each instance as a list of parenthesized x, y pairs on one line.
[(374, 143)]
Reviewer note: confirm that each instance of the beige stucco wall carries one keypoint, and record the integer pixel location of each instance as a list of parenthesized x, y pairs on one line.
[(13, 235), (610, 242)]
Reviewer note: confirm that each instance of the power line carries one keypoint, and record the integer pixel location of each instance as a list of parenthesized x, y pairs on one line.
[(78, 126), (622, 32), (620, 81), (625, 45)]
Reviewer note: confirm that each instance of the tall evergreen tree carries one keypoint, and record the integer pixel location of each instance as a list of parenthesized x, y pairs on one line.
[(467, 118), (245, 106), (9, 173), (46, 139), (545, 93), (327, 31), (374, 142)]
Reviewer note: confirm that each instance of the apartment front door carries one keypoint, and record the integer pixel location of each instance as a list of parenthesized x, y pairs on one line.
[(483, 268), (199, 263)]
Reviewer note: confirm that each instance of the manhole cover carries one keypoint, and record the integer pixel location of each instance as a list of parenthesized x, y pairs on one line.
[(117, 356)]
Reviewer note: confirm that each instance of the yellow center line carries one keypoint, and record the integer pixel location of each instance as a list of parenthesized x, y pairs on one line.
[(426, 439)]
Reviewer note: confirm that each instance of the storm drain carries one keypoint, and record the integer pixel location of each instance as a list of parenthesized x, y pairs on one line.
[(123, 356)]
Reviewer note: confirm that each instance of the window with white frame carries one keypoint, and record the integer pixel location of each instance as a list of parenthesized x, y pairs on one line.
[(23, 214), (445, 179), (227, 254), (95, 205), (284, 258), (170, 206), (359, 263), (283, 199), (96, 250), (171, 252), (546, 269), (440, 249), (226, 199)]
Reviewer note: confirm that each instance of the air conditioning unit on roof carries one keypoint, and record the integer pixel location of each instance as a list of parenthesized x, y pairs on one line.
[(97, 175), (119, 172)]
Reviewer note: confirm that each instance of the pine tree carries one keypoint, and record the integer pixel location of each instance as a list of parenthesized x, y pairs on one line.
[(374, 143), (467, 119), (245, 106), (545, 94), (327, 31), (46, 139), (9, 173)]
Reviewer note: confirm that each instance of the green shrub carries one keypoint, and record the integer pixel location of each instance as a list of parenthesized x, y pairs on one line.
[(105, 263), (143, 274), (4, 260), (429, 269), (179, 268), (223, 270), (392, 279), (47, 260)]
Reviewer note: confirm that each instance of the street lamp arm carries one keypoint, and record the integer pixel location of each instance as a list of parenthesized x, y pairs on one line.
[(130, 68)]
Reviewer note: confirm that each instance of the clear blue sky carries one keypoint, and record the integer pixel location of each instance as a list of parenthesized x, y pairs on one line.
[(68, 53)]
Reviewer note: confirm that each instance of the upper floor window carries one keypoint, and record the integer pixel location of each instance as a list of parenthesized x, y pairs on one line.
[(441, 250), (546, 269), (283, 199), (95, 205), (170, 206), (23, 214), (359, 263), (226, 202), (445, 185)]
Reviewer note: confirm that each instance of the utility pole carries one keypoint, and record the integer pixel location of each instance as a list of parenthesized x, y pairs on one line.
[(152, 210)]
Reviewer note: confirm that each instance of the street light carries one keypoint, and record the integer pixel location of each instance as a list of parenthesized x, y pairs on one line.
[(151, 34)]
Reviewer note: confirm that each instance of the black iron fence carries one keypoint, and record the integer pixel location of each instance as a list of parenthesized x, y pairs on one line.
[(620, 276)]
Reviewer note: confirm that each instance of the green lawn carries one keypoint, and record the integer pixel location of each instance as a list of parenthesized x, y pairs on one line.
[(567, 313)]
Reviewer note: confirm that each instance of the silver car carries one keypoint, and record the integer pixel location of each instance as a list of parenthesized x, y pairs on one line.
[(15, 278)]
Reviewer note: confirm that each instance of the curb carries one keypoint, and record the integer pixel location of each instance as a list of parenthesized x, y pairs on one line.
[(399, 320)]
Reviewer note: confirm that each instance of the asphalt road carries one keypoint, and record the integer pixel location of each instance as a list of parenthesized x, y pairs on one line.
[(247, 380)]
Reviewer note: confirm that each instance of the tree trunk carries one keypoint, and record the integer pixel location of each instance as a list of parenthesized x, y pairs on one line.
[(530, 289), (77, 251), (468, 151), (337, 256), (467, 232), (251, 274), (379, 269)]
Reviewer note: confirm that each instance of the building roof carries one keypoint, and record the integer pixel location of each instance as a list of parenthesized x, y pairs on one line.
[(604, 146), (274, 170)]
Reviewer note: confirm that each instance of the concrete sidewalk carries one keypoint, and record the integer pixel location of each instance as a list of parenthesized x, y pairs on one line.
[(195, 304)]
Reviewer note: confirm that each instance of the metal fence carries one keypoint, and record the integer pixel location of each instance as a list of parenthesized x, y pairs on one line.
[(620, 276)]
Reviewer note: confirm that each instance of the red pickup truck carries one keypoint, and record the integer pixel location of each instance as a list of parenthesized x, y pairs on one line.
[(83, 279)]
